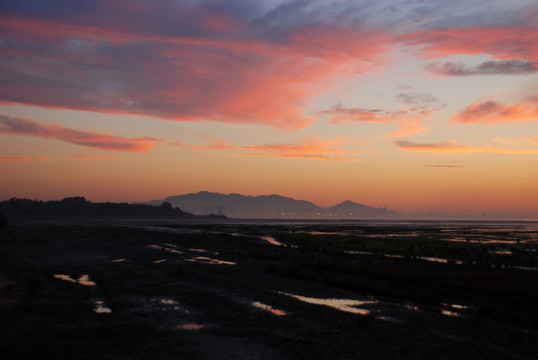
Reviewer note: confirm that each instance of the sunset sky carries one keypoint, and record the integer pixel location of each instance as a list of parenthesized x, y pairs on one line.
[(418, 105)]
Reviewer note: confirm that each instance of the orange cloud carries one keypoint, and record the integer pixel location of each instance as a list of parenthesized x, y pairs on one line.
[(491, 112), (310, 148), (21, 159), (506, 141), (530, 139), (451, 147), (18, 126)]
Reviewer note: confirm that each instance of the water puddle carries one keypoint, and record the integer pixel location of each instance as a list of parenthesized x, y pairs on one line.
[(271, 240), (355, 252), (100, 307), (207, 260), (159, 261), (450, 313), (393, 256), (198, 250), (120, 260), (439, 260), (65, 278), (346, 305), (457, 306), (191, 327), (390, 319), (165, 247), (83, 280), (268, 308)]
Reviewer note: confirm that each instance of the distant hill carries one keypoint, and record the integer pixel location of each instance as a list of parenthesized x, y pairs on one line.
[(269, 206), (78, 206)]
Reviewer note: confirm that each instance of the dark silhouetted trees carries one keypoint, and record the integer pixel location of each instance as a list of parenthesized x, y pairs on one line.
[(78, 206)]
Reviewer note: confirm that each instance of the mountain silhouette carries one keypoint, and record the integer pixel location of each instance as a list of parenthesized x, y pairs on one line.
[(269, 206)]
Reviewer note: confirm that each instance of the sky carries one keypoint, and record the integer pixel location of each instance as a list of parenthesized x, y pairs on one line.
[(419, 105)]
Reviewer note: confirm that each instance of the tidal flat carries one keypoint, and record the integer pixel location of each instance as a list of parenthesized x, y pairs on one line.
[(230, 289)]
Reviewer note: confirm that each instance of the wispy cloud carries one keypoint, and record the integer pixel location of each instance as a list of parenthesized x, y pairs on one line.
[(408, 120), (444, 166), (28, 127), (533, 140), (21, 159), (452, 147), (491, 112), (413, 98), (309, 148), (93, 157), (500, 67), (506, 141)]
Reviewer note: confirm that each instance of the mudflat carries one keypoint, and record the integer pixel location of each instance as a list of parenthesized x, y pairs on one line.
[(106, 289)]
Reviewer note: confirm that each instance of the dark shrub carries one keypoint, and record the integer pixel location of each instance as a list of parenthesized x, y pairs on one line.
[(3, 221)]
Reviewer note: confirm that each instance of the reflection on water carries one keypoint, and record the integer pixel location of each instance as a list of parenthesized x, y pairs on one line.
[(207, 260), (120, 260), (346, 305), (271, 240), (100, 307), (198, 250), (191, 327), (83, 280), (355, 252), (159, 261), (450, 313), (165, 247), (457, 306), (438, 260), (391, 319), (272, 310), (65, 278)]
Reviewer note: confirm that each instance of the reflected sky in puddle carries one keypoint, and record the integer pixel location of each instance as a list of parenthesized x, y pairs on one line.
[(268, 308), (100, 307), (207, 260), (391, 319), (271, 240), (166, 247), (83, 280), (346, 305), (120, 260), (65, 278), (355, 252), (198, 250), (159, 261), (457, 306), (192, 327), (450, 313), (166, 304)]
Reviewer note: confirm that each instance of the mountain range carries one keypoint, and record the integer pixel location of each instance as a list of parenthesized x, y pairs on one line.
[(269, 206)]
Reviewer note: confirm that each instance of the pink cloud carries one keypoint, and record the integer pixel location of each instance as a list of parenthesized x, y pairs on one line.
[(507, 43), (309, 148), (217, 74), (491, 112), (18, 126)]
